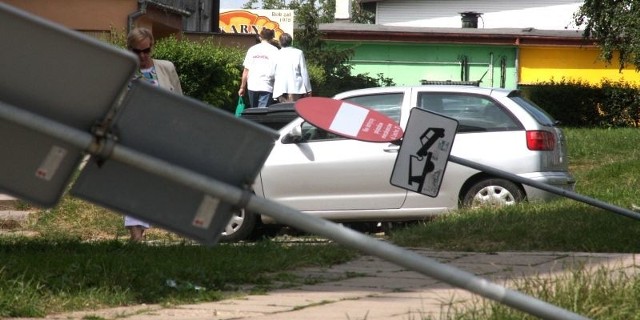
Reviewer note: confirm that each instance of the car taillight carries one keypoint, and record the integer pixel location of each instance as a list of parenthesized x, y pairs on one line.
[(539, 140)]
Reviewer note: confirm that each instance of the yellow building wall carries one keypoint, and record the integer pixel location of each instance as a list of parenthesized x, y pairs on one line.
[(539, 64)]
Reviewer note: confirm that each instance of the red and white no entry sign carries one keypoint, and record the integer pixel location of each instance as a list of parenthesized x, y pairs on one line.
[(348, 120)]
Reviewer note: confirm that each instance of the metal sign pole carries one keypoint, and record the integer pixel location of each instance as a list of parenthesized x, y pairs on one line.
[(51, 128), (411, 260), (546, 187), (76, 105), (295, 218)]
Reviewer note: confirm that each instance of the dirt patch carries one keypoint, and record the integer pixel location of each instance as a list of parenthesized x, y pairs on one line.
[(7, 205), (10, 224)]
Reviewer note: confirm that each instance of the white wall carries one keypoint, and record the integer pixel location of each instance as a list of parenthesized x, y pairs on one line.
[(343, 9), (538, 14)]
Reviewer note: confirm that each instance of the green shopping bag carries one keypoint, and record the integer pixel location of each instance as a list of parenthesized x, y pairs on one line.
[(239, 107)]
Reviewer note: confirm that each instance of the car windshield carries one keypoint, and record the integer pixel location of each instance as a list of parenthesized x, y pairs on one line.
[(534, 110)]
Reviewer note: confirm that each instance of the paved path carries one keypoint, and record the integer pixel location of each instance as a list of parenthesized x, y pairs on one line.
[(369, 288)]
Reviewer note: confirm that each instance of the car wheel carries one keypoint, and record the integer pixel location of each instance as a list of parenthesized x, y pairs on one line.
[(492, 193), (240, 226)]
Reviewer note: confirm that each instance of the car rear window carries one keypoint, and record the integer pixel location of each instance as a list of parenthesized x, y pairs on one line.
[(475, 113), (534, 110)]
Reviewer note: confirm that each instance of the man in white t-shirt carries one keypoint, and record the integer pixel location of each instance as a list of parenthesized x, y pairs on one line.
[(259, 69)]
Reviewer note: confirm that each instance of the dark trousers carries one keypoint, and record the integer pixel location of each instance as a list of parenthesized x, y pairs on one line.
[(260, 99)]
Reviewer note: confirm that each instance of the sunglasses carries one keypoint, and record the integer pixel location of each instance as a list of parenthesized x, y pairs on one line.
[(139, 51)]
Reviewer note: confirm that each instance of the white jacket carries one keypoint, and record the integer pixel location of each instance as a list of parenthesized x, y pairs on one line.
[(291, 73)]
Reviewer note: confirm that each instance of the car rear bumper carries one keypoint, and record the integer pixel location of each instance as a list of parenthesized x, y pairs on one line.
[(561, 180)]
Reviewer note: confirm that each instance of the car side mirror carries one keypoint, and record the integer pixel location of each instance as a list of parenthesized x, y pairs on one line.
[(293, 136)]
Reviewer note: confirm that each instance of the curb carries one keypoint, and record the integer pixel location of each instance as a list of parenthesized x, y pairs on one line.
[(10, 216)]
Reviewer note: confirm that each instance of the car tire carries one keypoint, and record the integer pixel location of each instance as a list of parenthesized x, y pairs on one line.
[(492, 193), (240, 226)]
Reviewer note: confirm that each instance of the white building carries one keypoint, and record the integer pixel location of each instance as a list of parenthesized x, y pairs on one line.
[(537, 14)]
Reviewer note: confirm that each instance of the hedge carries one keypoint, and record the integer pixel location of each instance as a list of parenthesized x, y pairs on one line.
[(577, 103), (207, 72)]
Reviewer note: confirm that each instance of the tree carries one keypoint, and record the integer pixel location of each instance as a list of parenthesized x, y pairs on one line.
[(616, 26), (361, 13)]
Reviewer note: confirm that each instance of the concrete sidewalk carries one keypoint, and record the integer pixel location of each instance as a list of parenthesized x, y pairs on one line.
[(370, 288)]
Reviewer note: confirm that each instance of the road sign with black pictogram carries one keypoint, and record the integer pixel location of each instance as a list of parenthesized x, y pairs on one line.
[(424, 153)]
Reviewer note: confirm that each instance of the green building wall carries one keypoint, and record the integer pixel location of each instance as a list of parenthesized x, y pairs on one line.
[(411, 63)]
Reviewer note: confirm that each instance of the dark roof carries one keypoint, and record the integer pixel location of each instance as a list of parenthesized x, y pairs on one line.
[(345, 31)]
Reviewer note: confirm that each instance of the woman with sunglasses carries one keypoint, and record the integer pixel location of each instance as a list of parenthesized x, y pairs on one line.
[(161, 73)]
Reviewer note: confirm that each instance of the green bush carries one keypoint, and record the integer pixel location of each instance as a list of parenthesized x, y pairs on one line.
[(620, 105), (573, 103), (212, 74), (207, 72), (580, 104)]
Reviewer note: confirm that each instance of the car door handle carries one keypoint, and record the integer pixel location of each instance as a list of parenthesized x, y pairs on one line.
[(391, 149)]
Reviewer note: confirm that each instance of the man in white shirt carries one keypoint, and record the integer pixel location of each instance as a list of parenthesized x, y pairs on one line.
[(259, 69), (292, 78)]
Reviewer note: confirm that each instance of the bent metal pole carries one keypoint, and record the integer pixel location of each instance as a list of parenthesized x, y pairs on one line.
[(348, 237), (546, 187), (295, 218)]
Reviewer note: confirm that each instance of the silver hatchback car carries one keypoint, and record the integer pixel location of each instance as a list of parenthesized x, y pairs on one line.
[(346, 180)]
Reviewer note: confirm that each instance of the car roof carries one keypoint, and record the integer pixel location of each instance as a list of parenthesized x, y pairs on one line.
[(434, 88)]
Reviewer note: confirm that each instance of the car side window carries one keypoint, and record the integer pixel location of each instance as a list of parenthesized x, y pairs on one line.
[(474, 113), (312, 133), (389, 104)]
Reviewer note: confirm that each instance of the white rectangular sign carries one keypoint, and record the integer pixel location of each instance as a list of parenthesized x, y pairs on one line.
[(251, 21)]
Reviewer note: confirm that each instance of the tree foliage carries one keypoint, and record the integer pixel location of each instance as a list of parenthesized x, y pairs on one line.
[(616, 26), (362, 14)]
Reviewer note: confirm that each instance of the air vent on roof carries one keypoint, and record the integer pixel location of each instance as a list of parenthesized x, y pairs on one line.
[(470, 19)]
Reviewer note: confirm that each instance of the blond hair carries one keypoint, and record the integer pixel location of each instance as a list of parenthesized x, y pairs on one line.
[(137, 35)]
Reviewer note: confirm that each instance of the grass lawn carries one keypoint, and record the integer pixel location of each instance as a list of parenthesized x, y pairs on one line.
[(80, 259)]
